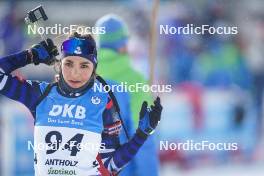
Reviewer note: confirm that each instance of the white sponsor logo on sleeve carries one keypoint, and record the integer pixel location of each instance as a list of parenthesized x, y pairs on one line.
[(4, 80)]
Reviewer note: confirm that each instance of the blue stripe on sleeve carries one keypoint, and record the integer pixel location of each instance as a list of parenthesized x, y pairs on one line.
[(14, 61), (22, 97), (13, 86)]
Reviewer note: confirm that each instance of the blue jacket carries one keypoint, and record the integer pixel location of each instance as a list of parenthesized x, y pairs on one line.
[(63, 123)]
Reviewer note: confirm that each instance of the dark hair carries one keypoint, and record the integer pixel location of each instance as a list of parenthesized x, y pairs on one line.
[(82, 36)]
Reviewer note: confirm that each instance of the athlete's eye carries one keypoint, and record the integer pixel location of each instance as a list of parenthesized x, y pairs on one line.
[(68, 64), (85, 66)]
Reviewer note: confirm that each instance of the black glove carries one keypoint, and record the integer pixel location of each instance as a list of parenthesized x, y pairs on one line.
[(44, 52), (149, 117)]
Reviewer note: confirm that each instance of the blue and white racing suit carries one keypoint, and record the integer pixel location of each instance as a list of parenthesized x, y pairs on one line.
[(72, 136)]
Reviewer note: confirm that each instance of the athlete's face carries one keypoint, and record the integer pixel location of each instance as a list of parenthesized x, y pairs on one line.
[(76, 70)]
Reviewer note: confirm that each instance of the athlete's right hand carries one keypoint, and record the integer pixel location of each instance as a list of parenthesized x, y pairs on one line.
[(44, 52)]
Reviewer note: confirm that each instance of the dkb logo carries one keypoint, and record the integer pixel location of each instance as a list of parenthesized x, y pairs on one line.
[(68, 110)]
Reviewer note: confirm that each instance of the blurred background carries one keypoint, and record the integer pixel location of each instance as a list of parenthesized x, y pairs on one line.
[(217, 80)]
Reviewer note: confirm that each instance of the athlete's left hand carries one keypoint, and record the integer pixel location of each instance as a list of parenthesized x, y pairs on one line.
[(150, 117)]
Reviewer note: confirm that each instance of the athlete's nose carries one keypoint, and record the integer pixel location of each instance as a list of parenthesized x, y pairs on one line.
[(75, 72)]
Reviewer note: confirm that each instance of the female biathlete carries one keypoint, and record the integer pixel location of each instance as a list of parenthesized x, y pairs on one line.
[(78, 125)]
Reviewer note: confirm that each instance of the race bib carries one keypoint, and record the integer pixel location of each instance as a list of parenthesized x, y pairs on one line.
[(66, 151)]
